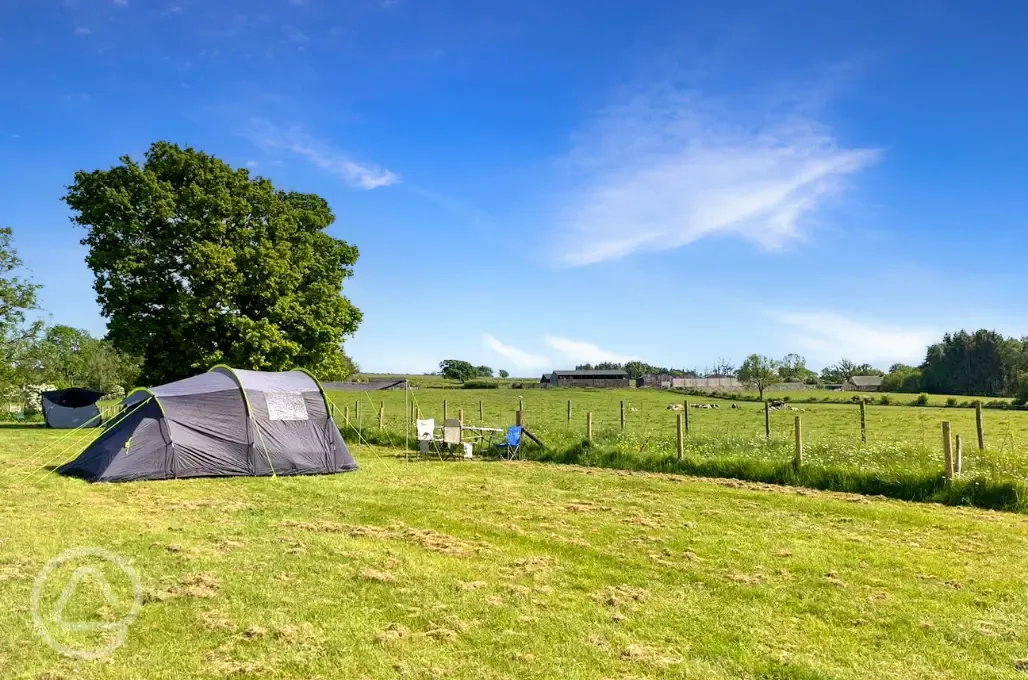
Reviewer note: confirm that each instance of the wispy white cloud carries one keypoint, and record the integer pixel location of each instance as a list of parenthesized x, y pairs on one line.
[(830, 335), (295, 35), (669, 167), (82, 30), (320, 153), (251, 164), (121, 3), (517, 357), (584, 352)]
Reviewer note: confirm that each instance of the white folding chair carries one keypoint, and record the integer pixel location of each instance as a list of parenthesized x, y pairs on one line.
[(426, 434), (451, 434)]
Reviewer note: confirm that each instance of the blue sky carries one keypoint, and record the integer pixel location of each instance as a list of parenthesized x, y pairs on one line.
[(533, 184)]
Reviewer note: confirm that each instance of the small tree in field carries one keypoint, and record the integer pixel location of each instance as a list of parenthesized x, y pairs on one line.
[(455, 369), (504, 374), (758, 372)]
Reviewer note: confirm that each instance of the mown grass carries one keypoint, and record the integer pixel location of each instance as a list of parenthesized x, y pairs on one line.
[(496, 570)]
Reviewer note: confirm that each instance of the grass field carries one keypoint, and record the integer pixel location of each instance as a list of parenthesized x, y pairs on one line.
[(497, 570), (901, 439)]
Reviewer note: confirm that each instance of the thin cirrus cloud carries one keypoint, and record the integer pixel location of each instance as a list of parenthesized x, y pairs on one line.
[(320, 153), (584, 352), (517, 357), (668, 168), (831, 335)]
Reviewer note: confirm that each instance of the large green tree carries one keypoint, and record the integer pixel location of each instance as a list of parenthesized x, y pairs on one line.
[(197, 263), (980, 363), (456, 369)]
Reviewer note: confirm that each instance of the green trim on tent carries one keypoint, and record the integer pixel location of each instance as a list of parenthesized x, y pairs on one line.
[(232, 372), (324, 395), (152, 396)]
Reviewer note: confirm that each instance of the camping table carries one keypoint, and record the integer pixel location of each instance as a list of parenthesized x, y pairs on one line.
[(482, 434)]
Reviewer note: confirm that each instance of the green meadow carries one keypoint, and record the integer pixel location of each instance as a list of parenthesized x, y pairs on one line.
[(481, 569), (900, 438)]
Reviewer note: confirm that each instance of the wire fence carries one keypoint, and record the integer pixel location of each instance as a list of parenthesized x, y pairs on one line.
[(886, 439)]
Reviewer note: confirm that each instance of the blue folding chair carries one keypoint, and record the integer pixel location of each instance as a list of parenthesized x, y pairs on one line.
[(510, 447)]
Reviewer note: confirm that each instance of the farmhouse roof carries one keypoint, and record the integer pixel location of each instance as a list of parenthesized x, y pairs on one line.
[(867, 380)]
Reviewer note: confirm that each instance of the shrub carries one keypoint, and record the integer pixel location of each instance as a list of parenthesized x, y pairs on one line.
[(922, 400), (885, 400), (480, 385), (951, 401), (787, 398)]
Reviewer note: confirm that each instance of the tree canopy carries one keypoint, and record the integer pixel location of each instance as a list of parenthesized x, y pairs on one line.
[(70, 357), (17, 296), (844, 370), (793, 368), (196, 263), (758, 372), (983, 363), (455, 369)]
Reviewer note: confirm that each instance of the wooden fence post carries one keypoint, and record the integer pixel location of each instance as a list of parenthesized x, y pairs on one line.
[(959, 463), (767, 419), (681, 441), (359, 413), (863, 422), (460, 414), (589, 425), (622, 416), (947, 450), (444, 410), (797, 461), (519, 418), (381, 417), (521, 403), (686, 414), (346, 414), (569, 411), (978, 424), (481, 411)]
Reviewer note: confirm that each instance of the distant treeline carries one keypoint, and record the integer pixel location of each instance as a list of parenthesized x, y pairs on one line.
[(637, 369), (983, 363)]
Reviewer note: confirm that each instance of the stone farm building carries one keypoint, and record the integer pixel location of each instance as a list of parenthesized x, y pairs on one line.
[(587, 379), (864, 383)]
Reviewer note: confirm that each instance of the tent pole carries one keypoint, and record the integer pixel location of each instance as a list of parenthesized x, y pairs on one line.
[(406, 419)]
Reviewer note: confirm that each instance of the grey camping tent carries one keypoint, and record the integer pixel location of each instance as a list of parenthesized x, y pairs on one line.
[(222, 423), (71, 408)]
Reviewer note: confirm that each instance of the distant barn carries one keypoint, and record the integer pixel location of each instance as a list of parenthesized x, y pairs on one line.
[(864, 383), (595, 378)]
